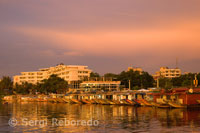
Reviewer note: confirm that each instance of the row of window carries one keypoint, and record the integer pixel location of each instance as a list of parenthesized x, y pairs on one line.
[(32, 74), (82, 76), (60, 73), (63, 73), (30, 77), (172, 74), (172, 71), (82, 71)]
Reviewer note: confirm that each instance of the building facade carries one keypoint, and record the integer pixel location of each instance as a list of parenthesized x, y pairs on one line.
[(70, 73), (100, 85), (167, 73), (135, 69)]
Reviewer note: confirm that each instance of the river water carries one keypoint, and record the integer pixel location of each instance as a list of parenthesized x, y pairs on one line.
[(59, 117)]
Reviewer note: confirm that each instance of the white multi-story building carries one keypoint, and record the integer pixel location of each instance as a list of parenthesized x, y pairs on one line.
[(168, 73), (70, 73)]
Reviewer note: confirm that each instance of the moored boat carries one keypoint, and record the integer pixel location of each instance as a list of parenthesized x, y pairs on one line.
[(175, 105), (84, 101), (75, 101), (146, 103), (160, 105)]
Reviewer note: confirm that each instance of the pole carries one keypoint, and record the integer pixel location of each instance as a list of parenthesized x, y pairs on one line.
[(158, 83), (195, 81), (129, 84)]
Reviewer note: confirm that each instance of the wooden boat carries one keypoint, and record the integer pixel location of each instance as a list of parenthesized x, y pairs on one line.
[(146, 103), (51, 100), (84, 101), (75, 101), (130, 102), (116, 102), (198, 101), (124, 102), (139, 102), (96, 101), (93, 101), (54, 100), (110, 102), (160, 105), (60, 100), (102, 101), (4, 102), (90, 101), (41, 100), (175, 105), (65, 100)]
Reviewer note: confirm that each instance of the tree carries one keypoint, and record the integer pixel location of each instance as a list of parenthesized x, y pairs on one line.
[(185, 80), (53, 84), (177, 82), (25, 88), (111, 76), (6, 85), (165, 83), (187, 83), (94, 75), (146, 80), (137, 79)]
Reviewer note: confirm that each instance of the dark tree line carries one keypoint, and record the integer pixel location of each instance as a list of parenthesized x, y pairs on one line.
[(6, 85), (53, 84), (144, 80), (185, 80), (137, 80)]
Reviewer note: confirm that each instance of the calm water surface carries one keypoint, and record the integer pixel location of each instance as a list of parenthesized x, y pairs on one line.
[(111, 118)]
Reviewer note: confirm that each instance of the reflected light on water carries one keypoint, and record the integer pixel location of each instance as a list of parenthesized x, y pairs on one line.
[(111, 118)]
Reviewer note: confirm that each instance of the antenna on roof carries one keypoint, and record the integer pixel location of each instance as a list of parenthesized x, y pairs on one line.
[(176, 62)]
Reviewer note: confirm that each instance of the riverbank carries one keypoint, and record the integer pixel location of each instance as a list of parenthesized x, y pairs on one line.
[(176, 98)]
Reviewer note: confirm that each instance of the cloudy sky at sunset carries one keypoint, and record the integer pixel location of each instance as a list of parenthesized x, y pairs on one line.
[(106, 35)]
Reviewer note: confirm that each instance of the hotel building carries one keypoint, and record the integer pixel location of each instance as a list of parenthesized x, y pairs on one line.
[(167, 73), (70, 73), (135, 69)]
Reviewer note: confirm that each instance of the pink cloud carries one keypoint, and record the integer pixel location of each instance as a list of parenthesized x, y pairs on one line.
[(173, 40)]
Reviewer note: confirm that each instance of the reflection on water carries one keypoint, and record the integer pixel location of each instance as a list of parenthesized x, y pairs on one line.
[(111, 118)]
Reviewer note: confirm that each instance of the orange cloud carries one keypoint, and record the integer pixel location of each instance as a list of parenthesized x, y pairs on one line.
[(173, 40)]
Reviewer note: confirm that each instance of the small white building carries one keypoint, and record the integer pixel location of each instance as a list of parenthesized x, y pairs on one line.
[(100, 85)]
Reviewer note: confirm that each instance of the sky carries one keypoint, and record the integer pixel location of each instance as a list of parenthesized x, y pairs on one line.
[(106, 35)]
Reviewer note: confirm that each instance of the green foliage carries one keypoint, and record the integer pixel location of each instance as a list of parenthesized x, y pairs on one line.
[(165, 83), (53, 84), (136, 88), (187, 83), (6, 85), (185, 80), (94, 75), (111, 76), (146, 80), (25, 88), (143, 80)]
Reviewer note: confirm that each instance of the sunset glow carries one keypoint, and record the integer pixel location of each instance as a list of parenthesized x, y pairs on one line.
[(107, 35)]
